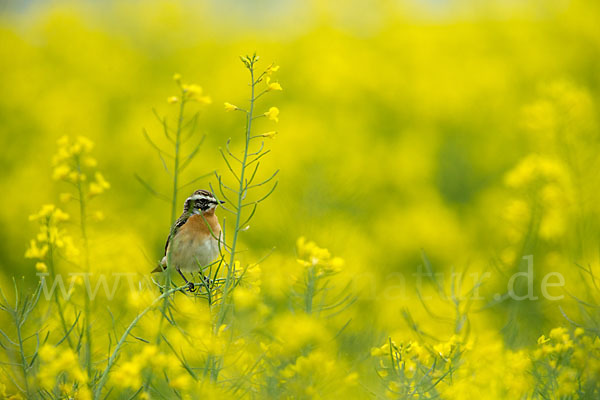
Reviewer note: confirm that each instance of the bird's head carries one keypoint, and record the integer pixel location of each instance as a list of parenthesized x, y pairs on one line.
[(201, 201)]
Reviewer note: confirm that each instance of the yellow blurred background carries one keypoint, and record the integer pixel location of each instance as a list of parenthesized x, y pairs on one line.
[(405, 126)]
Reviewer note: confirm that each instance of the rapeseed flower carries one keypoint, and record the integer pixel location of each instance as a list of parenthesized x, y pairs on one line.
[(269, 135), (230, 107), (272, 68), (273, 114), (56, 362), (41, 267), (272, 85), (98, 186), (195, 93)]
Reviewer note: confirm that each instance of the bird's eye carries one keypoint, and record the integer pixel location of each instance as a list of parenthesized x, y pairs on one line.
[(201, 204)]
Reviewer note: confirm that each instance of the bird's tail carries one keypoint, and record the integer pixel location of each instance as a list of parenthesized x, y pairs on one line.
[(161, 266)]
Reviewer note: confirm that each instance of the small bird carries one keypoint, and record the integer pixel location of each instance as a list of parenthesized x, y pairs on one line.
[(195, 238)]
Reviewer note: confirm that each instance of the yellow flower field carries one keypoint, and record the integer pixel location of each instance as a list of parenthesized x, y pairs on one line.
[(408, 198)]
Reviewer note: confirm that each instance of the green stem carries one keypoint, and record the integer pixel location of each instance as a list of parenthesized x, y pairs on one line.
[(176, 164), (310, 289), (168, 281), (22, 351), (50, 261), (230, 266), (173, 209), (132, 325), (86, 259)]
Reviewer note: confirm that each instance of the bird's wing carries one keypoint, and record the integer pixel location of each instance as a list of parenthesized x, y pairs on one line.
[(178, 224)]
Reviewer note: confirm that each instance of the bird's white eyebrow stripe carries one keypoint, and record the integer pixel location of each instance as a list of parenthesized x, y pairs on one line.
[(201, 197)]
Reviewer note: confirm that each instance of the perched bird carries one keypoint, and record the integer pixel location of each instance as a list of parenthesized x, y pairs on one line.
[(195, 238)]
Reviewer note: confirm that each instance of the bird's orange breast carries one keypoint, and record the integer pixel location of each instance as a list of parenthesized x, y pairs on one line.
[(196, 243), (197, 226)]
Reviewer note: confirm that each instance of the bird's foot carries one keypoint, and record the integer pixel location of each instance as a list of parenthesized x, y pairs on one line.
[(207, 281)]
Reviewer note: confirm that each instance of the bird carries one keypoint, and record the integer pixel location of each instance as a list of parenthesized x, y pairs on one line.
[(195, 238)]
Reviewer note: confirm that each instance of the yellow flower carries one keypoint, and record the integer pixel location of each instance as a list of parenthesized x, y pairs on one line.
[(99, 186), (98, 216), (245, 298), (61, 172), (47, 210), (60, 216), (75, 177), (535, 168), (336, 264), (62, 141), (34, 251), (273, 114), (559, 333), (86, 144), (181, 382), (273, 85), (420, 353), (65, 389), (542, 339), (445, 349), (101, 181), (567, 382), (237, 268), (55, 362), (295, 331), (312, 255), (272, 68), (47, 353), (381, 351), (71, 252), (216, 343), (75, 149), (194, 92), (230, 107), (41, 267), (192, 88), (65, 197), (269, 134), (90, 162), (59, 157), (95, 189), (128, 374)]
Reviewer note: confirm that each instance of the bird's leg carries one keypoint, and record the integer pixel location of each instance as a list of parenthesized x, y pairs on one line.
[(198, 287), (190, 284), (206, 279)]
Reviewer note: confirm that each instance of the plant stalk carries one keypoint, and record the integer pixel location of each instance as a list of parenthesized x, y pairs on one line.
[(132, 325), (86, 255), (249, 115)]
